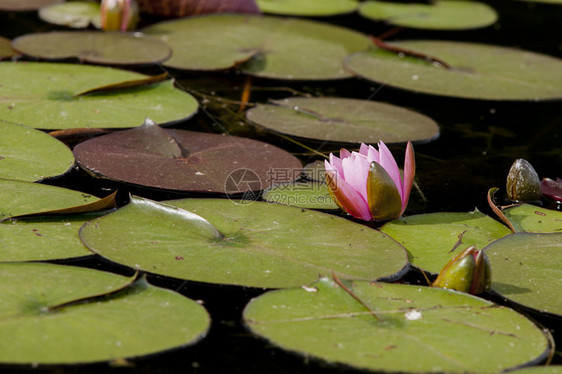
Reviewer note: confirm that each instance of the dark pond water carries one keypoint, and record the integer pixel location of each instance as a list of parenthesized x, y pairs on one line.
[(479, 140)]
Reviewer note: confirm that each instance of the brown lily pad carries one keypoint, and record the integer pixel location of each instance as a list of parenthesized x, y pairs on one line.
[(182, 8), (186, 160)]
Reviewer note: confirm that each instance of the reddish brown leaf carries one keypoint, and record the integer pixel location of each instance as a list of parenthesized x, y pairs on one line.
[(181, 8)]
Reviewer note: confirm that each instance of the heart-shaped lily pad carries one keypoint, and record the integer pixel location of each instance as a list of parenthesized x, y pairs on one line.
[(438, 15), (396, 328), (310, 195), (111, 48), (259, 245), (75, 14), (530, 218), (344, 120), (270, 47), (187, 160), (527, 269), (57, 314), (47, 96), (22, 198), (27, 5), (44, 238), (477, 71), (431, 239), (31, 155), (307, 8)]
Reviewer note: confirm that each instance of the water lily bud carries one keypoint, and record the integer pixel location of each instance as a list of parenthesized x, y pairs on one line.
[(523, 182), (368, 185), (119, 15), (552, 188), (469, 272)]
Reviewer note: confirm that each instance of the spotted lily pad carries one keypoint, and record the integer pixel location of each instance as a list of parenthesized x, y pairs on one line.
[(269, 46), (530, 218), (260, 245), (431, 239), (31, 155), (343, 120), (21, 198), (58, 314), (439, 15), (46, 96), (44, 238), (75, 14), (307, 8), (527, 269), (111, 48), (187, 160), (477, 71), (396, 328)]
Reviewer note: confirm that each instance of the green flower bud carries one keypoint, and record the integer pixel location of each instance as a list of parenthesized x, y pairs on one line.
[(469, 272)]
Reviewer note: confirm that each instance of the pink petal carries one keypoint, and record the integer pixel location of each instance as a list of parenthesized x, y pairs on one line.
[(349, 199), (344, 153), (373, 155), (335, 164), (409, 172), (364, 149), (356, 172), (389, 164)]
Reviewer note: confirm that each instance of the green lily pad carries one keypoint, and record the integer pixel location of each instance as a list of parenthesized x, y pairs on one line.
[(110, 318), (43, 238), (344, 120), (187, 160), (74, 14), (527, 269), (478, 71), (45, 96), (269, 47), (30, 155), (25, 5), (260, 244), (438, 15), (417, 329), (21, 198), (431, 239), (530, 218), (551, 369), (111, 48), (6, 50), (307, 8), (310, 195)]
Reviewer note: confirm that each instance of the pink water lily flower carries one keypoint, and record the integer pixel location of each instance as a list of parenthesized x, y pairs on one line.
[(368, 185)]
